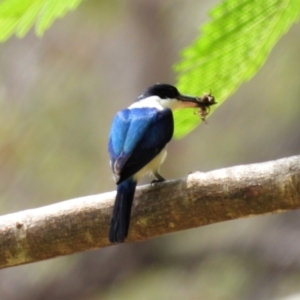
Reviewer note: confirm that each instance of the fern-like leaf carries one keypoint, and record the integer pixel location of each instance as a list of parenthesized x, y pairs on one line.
[(233, 46), (18, 16)]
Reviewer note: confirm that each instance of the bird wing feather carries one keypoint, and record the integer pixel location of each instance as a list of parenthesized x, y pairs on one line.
[(136, 137)]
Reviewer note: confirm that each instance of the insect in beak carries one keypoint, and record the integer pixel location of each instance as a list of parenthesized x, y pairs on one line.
[(204, 104)]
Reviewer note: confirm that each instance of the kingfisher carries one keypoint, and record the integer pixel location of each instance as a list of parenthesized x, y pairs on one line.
[(137, 146)]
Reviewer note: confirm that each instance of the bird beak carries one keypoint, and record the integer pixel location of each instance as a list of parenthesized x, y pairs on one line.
[(202, 102), (186, 98), (188, 101)]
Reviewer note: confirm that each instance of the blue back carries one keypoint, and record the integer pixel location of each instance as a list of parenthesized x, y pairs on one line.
[(137, 135)]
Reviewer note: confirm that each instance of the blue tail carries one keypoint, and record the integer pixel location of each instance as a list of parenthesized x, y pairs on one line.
[(120, 220)]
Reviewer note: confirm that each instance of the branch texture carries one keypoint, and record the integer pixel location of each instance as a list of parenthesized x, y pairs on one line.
[(199, 199)]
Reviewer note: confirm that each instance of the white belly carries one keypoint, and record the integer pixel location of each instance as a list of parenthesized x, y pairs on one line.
[(152, 166)]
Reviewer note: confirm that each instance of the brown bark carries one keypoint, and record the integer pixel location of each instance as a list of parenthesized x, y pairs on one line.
[(199, 199)]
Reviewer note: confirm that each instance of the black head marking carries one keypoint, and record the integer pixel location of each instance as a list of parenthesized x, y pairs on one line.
[(162, 90)]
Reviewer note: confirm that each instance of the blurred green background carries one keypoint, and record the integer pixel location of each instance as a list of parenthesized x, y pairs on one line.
[(58, 96)]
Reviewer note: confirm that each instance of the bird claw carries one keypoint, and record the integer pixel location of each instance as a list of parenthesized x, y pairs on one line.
[(156, 181)]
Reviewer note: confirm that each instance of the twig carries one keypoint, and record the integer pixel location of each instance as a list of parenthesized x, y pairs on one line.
[(199, 199)]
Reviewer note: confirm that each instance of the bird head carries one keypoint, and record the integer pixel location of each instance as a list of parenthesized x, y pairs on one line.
[(168, 96)]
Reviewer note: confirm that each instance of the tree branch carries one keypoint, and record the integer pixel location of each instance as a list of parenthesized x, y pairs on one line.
[(199, 199)]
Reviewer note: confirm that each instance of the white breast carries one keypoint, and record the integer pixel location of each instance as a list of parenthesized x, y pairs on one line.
[(153, 166)]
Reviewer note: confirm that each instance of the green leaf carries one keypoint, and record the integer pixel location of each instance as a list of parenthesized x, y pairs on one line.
[(51, 10), (232, 48), (18, 16)]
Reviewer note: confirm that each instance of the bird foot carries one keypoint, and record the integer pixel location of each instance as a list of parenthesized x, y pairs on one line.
[(158, 180), (155, 181)]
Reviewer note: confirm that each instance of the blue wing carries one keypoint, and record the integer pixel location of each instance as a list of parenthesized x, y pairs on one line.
[(137, 136)]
